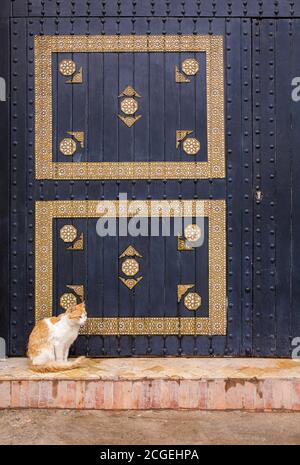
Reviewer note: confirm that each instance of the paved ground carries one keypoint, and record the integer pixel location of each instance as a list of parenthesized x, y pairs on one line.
[(151, 427)]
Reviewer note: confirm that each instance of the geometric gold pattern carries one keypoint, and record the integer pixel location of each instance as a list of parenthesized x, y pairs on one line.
[(180, 135), (192, 232), (78, 245), (130, 267), (67, 67), (77, 78), (129, 106), (45, 48), (79, 136), (67, 147), (180, 78), (182, 246), (68, 233), (191, 146), (68, 300), (190, 67), (192, 301), (213, 210)]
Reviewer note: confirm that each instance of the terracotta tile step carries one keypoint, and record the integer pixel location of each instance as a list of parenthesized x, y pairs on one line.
[(156, 383)]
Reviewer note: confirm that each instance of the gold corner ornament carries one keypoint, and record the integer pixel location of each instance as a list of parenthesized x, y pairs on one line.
[(79, 136), (78, 245), (77, 78), (182, 246), (68, 145), (182, 289), (180, 135), (189, 67), (180, 78), (190, 145), (78, 290), (67, 68)]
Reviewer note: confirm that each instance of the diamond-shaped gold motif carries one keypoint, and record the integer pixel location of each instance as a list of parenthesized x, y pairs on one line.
[(129, 120), (130, 252), (129, 92), (130, 283)]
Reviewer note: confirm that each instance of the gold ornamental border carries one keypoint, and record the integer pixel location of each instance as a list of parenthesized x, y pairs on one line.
[(212, 45), (214, 324)]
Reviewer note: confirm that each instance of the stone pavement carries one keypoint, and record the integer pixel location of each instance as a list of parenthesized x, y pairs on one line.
[(156, 383), (148, 427)]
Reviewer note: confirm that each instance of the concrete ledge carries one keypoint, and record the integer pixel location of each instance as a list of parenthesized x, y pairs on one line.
[(156, 383)]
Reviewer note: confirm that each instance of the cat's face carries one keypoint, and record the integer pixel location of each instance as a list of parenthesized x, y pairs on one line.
[(78, 313)]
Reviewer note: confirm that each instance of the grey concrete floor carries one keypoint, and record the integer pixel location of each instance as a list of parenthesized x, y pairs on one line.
[(150, 427)]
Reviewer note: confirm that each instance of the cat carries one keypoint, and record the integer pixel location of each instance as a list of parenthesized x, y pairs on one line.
[(51, 338)]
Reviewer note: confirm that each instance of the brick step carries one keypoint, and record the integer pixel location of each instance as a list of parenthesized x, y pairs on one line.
[(156, 383)]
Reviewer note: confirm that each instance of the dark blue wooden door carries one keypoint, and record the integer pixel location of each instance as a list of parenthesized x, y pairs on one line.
[(185, 102), (135, 110)]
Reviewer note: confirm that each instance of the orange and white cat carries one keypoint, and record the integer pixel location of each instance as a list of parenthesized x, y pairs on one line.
[(51, 339)]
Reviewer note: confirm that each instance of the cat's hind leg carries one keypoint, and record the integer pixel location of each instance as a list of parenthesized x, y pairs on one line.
[(46, 355)]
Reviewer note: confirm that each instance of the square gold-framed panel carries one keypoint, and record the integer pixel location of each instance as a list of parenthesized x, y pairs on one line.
[(46, 46), (214, 210)]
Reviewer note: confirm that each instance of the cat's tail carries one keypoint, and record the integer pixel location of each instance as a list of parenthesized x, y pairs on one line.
[(53, 367)]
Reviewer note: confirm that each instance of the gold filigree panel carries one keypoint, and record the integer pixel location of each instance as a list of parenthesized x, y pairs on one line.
[(214, 210), (46, 46)]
